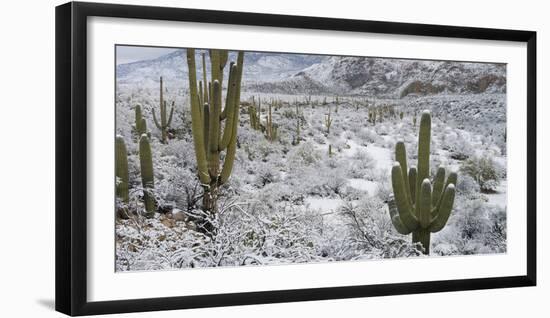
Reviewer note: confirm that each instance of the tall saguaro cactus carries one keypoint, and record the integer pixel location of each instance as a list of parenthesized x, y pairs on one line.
[(147, 176), (165, 120), (121, 167), (210, 140), (420, 208)]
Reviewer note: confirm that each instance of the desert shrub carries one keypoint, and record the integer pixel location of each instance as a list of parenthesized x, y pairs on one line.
[(265, 175), (304, 154), (483, 170), (367, 136), (466, 185), (361, 164), (369, 230)]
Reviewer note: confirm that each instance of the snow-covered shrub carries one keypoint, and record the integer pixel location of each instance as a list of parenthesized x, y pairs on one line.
[(484, 171), (304, 154), (367, 136), (320, 139), (266, 174), (466, 185), (459, 147), (361, 163), (369, 230)]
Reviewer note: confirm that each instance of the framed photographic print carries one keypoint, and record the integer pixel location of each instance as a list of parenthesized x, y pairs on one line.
[(209, 158)]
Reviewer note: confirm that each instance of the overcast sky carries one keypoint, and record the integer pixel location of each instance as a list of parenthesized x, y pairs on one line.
[(128, 54)]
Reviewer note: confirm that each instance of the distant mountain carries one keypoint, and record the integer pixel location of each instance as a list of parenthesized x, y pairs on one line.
[(394, 77), (317, 74), (259, 67)]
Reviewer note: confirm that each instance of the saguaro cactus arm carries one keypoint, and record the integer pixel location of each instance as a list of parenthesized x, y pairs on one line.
[(196, 120), (404, 207), (232, 147), (444, 210)]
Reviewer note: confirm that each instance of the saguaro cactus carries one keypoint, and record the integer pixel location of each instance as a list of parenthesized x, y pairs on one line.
[(121, 169), (165, 120), (254, 114), (419, 207), (328, 121), (147, 176), (138, 121), (271, 128), (209, 139), (296, 140)]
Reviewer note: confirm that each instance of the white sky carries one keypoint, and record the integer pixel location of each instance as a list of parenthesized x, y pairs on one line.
[(128, 54)]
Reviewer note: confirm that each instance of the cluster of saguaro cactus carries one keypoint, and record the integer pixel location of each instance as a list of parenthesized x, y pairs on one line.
[(328, 121), (208, 137), (147, 175), (165, 119), (121, 169), (419, 207)]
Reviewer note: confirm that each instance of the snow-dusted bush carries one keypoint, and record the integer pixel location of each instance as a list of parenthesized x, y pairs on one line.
[(466, 185), (304, 154), (369, 230), (266, 174), (484, 171), (361, 164)]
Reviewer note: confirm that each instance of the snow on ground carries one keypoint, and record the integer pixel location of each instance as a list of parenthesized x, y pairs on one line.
[(500, 197), (364, 185), (323, 205)]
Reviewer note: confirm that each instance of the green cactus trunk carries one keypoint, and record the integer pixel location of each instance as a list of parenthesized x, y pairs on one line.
[(138, 121), (147, 176), (165, 119), (416, 206), (121, 170), (208, 136)]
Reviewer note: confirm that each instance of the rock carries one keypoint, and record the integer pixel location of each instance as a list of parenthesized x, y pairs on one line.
[(170, 223), (178, 215)]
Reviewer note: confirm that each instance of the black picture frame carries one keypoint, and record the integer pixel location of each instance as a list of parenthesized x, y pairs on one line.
[(71, 157)]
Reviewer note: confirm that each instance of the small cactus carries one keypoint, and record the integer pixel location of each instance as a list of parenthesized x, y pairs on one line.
[(147, 176), (328, 121), (297, 137), (121, 170), (165, 120), (417, 206)]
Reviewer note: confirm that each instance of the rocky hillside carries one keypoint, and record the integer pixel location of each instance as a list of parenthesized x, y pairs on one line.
[(281, 73)]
